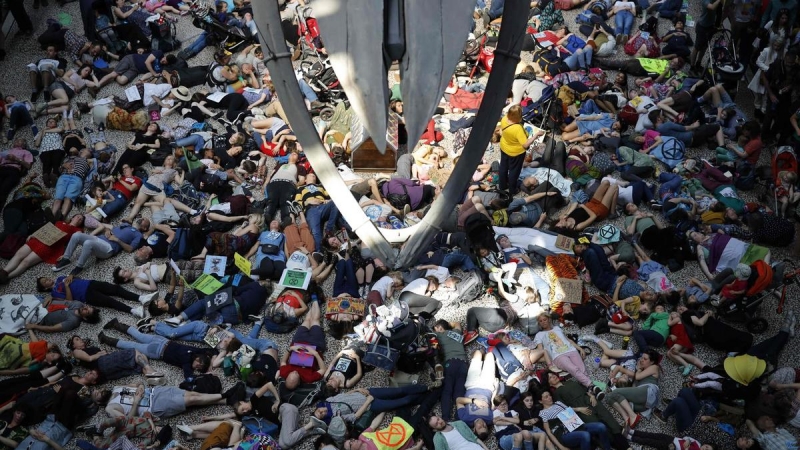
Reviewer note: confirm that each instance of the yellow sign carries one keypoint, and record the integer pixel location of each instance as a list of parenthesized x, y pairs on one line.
[(242, 263), (207, 284)]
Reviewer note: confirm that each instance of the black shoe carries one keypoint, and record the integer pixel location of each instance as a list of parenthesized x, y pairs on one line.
[(111, 325), (108, 340), (35, 96), (88, 130), (61, 264), (76, 271), (141, 322), (601, 327)]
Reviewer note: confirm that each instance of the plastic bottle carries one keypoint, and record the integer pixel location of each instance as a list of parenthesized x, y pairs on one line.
[(245, 371), (596, 362)]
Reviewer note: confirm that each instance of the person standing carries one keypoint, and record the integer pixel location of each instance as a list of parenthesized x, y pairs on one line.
[(514, 142), (705, 28)]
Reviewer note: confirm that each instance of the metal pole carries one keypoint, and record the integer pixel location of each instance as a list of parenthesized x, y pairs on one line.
[(278, 61)]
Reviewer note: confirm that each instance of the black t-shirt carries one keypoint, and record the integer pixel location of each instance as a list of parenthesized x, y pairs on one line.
[(267, 365), (345, 365), (142, 138), (158, 242), (262, 407), (580, 215)]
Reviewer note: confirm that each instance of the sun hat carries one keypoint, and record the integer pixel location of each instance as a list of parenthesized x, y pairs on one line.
[(742, 271), (743, 369), (181, 93), (607, 234)]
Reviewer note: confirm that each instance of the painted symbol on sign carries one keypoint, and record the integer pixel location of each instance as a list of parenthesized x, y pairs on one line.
[(393, 436)]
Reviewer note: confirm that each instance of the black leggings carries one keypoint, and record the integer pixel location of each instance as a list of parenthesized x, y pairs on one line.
[(490, 319), (555, 156), (635, 173), (269, 269), (133, 158), (631, 66), (51, 161), (13, 387), (235, 104), (279, 192), (656, 440), (100, 293), (14, 220)]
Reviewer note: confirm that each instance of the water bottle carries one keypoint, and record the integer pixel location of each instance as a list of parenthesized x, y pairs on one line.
[(596, 362), (314, 298), (245, 371)]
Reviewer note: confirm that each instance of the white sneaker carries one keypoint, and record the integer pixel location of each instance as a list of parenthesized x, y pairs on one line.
[(160, 381), (174, 322), (147, 298), (138, 312), (608, 344), (185, 429)]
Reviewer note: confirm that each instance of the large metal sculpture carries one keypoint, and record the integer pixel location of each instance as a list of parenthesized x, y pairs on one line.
[(362, 38)]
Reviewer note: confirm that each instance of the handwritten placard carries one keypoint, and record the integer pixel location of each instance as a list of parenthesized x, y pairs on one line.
[(569, 290), (49, 234), (242, 263), (564, 242), (296, 279)]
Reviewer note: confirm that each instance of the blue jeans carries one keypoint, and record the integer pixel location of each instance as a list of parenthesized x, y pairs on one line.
[(345, 281), (455, 259), (505, 360), (589, 107), (624, 22), (116, 205), (646, 338), (581, 59), (194, 331), (260, 345), (583, 438), (199, 44), (150, 345), (685, 407), (455, 376), (670, 184), (308, 93), (507, 443), (496, 9), (316, 216), (192, 140), (390, 399)]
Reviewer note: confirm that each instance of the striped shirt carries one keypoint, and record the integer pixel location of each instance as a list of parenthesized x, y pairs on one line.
[(311, 191), (79, 167)]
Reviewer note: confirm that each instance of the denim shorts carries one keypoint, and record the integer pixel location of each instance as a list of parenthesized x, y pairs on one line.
[(68, 186)]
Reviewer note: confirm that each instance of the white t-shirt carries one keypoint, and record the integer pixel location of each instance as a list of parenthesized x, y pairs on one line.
[(457, 442), (441, 273), (418, 286), (497, 413), (554, 342), (298, 261), (619, 6), (382, 286), (625, 193), (643, 104)]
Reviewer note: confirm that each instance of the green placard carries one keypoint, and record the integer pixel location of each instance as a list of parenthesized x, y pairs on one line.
[(207, 284), (297, 279)]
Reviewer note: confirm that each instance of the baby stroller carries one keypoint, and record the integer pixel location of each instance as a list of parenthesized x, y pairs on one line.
[(723, 62), (229, 38), (763, 281), (783, 161)]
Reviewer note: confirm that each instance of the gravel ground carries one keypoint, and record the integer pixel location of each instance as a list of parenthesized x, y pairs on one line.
[(23, 50)]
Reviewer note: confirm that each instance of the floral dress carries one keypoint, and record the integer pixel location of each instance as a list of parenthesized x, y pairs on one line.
[(549, 16)]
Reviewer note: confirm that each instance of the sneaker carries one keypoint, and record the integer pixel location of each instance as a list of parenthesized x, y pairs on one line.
[(147, 298), (155, 375), (157, 381), (185, 429), (659, 415), (138, 312), (61, 264), (174, 322), (147, 328), (318, 423), (655, 205), (143, 321), (254, 317), (439, 370), (470, 336), (76, 271), (483, 342), (687, 370)]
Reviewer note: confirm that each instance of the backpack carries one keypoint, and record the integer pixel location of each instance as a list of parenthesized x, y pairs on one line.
[(470, 287), (745, 176), (180, 248), (258, 441), (159, 156), (547, 59), (399, 201), (306, 394), (205, 384), (257, 425), (188, 195)]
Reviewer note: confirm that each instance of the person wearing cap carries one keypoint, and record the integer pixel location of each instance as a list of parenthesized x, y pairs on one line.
[(525, 212), (169, 104)]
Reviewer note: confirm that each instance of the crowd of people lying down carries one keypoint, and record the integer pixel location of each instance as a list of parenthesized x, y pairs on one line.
[(627, 213)]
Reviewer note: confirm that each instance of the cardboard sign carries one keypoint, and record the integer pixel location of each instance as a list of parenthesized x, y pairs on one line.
[(207, 284), (345, 305), (215, 265), (569, 290), (242, 263), (49, 234), (564, 242), (296, 279)]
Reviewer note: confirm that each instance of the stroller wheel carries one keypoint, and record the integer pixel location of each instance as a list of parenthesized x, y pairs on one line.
[(757, 325), (326, 114)]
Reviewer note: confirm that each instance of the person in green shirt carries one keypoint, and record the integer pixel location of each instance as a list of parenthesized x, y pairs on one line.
[(654, 331), (451, 340)]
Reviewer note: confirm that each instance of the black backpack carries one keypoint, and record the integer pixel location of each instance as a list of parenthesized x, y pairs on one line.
[(399, 201), (205, 384), (745, 176)]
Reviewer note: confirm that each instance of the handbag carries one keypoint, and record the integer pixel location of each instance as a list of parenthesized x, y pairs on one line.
[(270, 249), (381, 355), (244, 355)]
